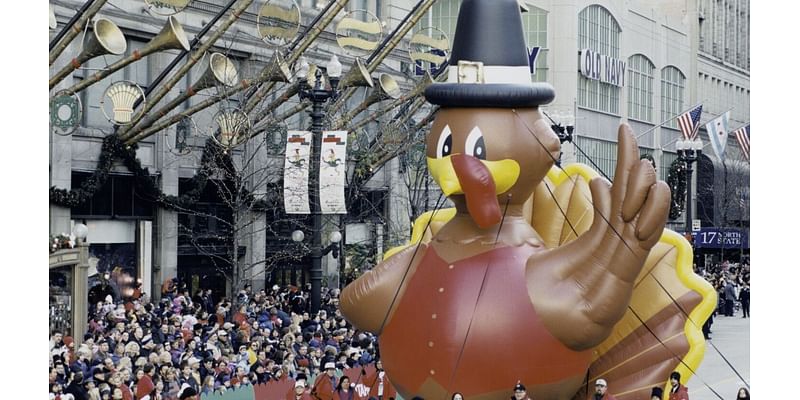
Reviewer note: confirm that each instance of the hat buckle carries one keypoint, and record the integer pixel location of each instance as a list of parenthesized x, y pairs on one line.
[(470, 71)]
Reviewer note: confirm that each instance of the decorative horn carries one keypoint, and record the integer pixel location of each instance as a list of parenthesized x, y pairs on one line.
[(53, 21), (74, 27), (303, 42), (125, 132), (171, 36), (385, 48), (357, 76), (388, 88), (220, 71), (415, 93), (277, 71), (106, 38)]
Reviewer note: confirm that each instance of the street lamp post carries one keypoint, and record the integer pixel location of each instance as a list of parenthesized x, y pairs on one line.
[(318, 95), (689, 151)]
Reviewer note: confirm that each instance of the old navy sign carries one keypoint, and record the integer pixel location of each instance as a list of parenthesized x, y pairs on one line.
[(602, 67)]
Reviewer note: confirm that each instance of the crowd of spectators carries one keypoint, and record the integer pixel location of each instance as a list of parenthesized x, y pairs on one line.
[(732, 283), (136, 349)]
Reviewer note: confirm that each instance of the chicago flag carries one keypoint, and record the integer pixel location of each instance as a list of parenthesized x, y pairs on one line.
[(717, 130)]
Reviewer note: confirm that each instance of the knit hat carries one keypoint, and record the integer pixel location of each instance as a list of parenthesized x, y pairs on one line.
[(186, 392)]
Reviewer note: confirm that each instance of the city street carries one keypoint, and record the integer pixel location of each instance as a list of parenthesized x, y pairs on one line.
[(731, 336)]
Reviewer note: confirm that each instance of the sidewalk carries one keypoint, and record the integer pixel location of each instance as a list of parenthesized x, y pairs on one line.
[(731, 336)]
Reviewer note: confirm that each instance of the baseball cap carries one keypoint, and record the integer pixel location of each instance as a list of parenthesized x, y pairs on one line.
[(601, 382)]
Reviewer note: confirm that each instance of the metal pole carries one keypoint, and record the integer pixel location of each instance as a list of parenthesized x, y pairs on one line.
[(318, 98), (689, 160)]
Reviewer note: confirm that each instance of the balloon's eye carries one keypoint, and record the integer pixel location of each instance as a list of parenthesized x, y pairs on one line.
[(445, 146), (474, 145)]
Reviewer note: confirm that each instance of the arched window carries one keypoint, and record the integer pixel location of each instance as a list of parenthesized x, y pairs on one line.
[(598, 31), (672, 86), (640, 88), (444, 15)]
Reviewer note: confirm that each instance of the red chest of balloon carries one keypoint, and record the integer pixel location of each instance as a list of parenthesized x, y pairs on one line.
[(460, 326)]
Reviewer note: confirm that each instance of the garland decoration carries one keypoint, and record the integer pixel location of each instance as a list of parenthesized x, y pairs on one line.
[(61, 241), (676, 179), (113, 148)]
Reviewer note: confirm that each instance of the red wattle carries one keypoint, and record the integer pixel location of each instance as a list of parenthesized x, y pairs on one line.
[(479, 189)]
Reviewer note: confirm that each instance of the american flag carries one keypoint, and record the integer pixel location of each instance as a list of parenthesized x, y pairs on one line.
[(743, 136), (688, 122)]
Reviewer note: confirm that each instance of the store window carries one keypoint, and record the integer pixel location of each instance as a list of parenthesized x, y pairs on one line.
[(60, 289), (444, 15), (672, 87), (640, 88), (599, 31)]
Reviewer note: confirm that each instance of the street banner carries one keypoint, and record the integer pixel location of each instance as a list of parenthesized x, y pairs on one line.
[(295, 172), (332, 171), (717, 130)]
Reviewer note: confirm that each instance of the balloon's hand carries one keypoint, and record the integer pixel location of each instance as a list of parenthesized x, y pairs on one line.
[(583, 288)]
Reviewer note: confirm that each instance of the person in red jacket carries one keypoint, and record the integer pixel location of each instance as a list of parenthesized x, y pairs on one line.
[(379, 385), (145, 387), (299, 392), (678, 392), (325, 383), (601, 390)]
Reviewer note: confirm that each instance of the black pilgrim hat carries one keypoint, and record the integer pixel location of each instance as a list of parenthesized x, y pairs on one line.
[(488, 66)]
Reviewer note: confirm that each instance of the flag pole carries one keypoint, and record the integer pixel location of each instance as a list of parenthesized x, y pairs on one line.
[(699, 123), (669, 119)]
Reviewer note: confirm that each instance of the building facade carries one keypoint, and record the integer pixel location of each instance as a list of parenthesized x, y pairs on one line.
[(643, 62), (127, 229)]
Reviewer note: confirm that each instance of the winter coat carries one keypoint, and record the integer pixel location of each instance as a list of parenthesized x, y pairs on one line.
[(681, 394), (323, 387)]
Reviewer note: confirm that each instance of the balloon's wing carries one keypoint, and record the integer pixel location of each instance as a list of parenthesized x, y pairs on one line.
[(661, 331), (560, 208)]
